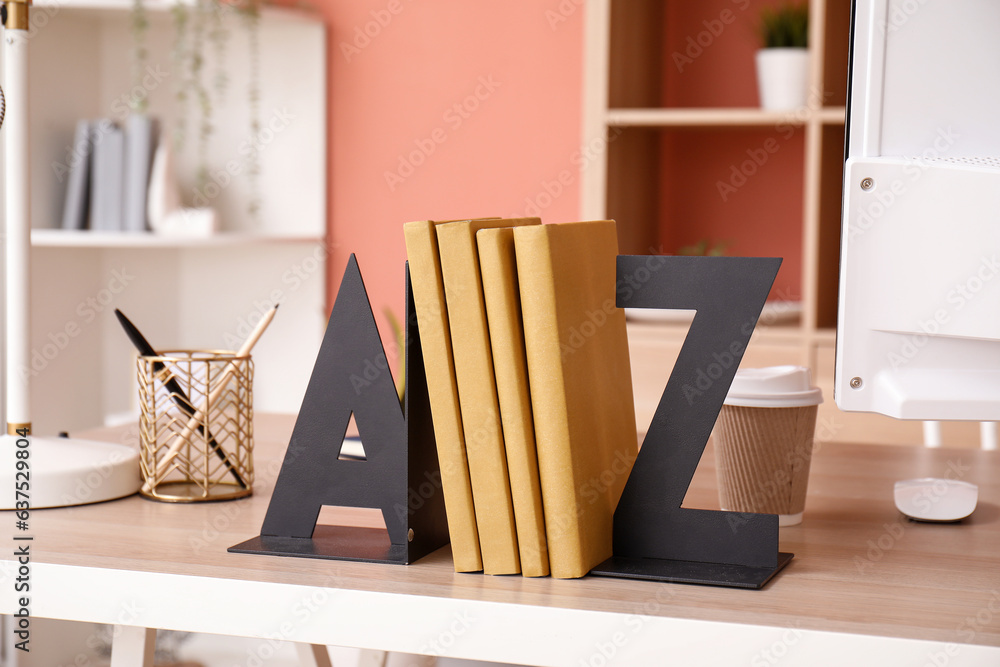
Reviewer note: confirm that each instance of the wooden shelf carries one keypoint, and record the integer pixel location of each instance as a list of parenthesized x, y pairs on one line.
[(833, 115), (691, 157), (60, 238), (720, 117), (749, 117), (825, 337)]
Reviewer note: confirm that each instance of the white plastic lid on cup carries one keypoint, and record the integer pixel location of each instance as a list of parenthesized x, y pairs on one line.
[(773, 387)]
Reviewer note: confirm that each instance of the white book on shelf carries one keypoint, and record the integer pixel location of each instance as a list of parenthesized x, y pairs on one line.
[(140, 141), (106, 200)]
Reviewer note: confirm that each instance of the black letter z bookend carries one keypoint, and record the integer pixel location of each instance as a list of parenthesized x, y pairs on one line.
[(400, 475), (654, 537)]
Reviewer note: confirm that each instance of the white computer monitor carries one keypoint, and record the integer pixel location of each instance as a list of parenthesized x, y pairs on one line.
[(919, 324)]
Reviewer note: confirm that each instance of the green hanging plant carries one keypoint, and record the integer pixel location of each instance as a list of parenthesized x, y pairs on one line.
[(251, 16), (400, 336), (218, 35), (197, 28), (140, 55), (704, 248), (179, 58), (196, 63)]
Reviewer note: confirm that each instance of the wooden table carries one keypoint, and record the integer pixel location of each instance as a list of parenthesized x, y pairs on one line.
[(865, 587)]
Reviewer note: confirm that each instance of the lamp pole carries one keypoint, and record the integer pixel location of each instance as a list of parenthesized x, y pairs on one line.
[(18, 216), (59, 467)]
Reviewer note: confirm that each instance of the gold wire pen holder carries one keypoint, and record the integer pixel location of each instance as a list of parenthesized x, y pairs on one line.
[(196, 425)]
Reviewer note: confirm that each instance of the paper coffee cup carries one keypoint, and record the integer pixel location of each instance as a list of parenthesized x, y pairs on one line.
[(764, 441)]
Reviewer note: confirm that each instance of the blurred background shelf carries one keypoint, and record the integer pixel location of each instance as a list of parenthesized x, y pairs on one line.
[(709, 117), (51, 7), (184, 293), (682, 155), (59, 238)]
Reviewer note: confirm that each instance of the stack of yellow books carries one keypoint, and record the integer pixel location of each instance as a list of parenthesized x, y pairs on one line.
[(530, 388)]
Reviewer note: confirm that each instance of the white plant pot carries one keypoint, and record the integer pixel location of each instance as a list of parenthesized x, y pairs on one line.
[(783, 78)]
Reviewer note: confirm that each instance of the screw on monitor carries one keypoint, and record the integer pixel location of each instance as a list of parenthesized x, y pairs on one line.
[(856, 383), (867, 183)]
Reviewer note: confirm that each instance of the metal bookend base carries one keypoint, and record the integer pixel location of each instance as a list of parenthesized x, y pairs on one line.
[(690, 572), (367, 545)]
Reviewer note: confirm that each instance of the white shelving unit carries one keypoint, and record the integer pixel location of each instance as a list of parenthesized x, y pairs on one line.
[(182, 292)]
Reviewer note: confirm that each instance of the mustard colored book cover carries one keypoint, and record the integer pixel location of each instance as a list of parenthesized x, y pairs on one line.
[(477, 390), (498, 267), (581, 385), (435, 339)]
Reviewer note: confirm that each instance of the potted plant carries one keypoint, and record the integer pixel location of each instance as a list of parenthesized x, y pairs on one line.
[(783, 62), (704, 248)]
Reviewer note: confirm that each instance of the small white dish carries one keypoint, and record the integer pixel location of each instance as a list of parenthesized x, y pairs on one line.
[(774, 312), (935, 499)]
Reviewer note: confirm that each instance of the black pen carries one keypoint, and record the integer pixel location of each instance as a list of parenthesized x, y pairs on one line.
[(176, 391)]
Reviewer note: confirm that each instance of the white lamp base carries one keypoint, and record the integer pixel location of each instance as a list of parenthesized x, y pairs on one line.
[(67, 471)]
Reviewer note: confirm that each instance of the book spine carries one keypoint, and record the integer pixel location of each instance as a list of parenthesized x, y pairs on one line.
[(478, 398), (106, 185), (77, 203), (548, 402), (498, 266), (140, 138), (435, 338)]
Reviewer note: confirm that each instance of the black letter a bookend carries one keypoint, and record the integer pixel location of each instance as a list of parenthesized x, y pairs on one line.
[(400, 474)]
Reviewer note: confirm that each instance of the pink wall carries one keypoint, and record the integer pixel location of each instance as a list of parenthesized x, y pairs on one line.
[(709, 62), (760, 216), (395, 92)]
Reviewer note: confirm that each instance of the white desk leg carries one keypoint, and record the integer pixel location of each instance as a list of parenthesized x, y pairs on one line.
[(133, 646), (932, 434), (311, 655), (409, 660), (988, 435)]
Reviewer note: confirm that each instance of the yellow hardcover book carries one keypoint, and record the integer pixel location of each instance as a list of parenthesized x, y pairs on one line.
[(498, 267), (581, 385), (477, 391), (435, 340)]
